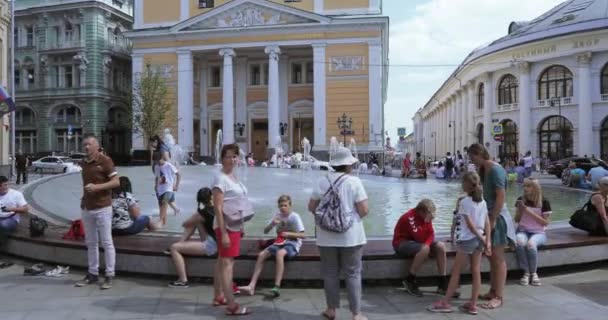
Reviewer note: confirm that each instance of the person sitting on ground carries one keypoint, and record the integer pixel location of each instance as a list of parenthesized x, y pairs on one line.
[(532, 215), (567, 173), (290, 231), (577, 178), (414, 237), (595, 174), (520, 170), (126, 214), (420, 165), (440, 171), (201, 220), (599, 201), (13, 206)]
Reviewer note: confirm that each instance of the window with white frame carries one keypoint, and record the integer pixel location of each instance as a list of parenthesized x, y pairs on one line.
[(68, 143), (255, 75), (24, 117), (310, 76), (17, 78), (25, 140), (31, 76), (301, 72), (69, 114), (265, 71), (215, 77), (205, 3), (29, 34)]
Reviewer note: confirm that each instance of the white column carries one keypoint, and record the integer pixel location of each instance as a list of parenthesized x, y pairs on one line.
[(241, 101), (227, 97), (465, 117), (184, 10), (318, 6), (376, 103), (203, 116), (138, 10), (525, 103), (137, 67), (185, 100), (283, 96), (585, 112), (471, 112), (273, 53), (460, 113), (488, 106), (319, 93)]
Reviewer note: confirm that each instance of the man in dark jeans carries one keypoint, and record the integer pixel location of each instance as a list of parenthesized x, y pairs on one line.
[(449, 166), (21, 162)]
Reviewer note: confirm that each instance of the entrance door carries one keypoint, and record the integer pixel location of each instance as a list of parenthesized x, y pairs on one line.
[(215, 126), (259, 139), (302, 128)]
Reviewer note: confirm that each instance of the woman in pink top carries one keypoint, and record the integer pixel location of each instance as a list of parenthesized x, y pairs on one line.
[(532, 215)]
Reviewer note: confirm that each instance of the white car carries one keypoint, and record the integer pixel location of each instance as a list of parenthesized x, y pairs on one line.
[(55, 165)]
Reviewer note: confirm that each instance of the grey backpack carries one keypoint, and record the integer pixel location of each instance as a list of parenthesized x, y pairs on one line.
[(329, 215)]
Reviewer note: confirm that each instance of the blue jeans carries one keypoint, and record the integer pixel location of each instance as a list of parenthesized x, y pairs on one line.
[(7, 226), (526, 248), (136, 227), (291, 251)]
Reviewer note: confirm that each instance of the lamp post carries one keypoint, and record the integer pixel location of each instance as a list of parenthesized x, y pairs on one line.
[(345, 124), (434, 135), (553, 102), (454, 126), (240, 127), (282, 128)]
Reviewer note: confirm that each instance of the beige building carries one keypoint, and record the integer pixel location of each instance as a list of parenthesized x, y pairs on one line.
[(5, 26), (261, 69)]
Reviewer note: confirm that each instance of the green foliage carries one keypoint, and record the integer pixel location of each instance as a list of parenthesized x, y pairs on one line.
[(150, 101)]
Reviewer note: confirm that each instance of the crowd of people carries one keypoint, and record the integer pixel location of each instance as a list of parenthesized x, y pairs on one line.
[(482, 225)]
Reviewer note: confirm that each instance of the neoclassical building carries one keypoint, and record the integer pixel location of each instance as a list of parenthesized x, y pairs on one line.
[(5, 27), (546, 83), (261, 70), (72, 74)]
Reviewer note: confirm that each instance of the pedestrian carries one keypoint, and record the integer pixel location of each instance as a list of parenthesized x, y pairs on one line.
[(407, 166), (494, 180), (166, 185), (528, 163), (99, 177), (594, 176), (341, 252), (449, 166), (158, 150), (21, 163)]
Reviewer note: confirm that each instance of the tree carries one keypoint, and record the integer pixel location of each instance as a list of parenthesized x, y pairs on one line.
[(150, 101)]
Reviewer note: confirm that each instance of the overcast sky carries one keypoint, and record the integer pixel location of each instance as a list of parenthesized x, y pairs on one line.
[(426, 32)]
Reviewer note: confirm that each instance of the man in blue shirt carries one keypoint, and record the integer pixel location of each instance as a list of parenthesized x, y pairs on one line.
[(595, 174)]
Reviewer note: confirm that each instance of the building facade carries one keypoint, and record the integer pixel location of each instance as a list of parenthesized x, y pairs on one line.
[(544, 85), (266, 71), (72, 74), (5, 27)]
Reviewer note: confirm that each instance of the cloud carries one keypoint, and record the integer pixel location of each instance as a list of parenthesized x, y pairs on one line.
[(442, 32)]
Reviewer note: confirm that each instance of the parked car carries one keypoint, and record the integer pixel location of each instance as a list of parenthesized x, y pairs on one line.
[(55, 165), (77, 157), (557, 167)]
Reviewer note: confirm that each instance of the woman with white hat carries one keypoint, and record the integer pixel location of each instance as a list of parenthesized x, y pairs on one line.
[(339, 202)]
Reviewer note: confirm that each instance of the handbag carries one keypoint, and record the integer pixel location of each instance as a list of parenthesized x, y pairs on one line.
[(37, 226), (238, 210), (588, 219), (76, 231)]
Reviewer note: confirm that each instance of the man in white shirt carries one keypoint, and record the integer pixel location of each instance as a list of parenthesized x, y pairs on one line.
[(440, 172), (13, 205), (528, 163)]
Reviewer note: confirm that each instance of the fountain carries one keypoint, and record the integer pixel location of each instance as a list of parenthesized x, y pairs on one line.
[(218, 148), (178, 155), (305, 164), (333, 147), (278, 153)]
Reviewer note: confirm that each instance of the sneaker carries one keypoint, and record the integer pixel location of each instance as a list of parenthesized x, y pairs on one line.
[(412, 288), (88, 279), (535, 280), (440, 307), (167, 252), (235, 289), (55, 273), (64, 269), (107, 284), (469, 308), (525, 279), (275, 292), (179, 284)]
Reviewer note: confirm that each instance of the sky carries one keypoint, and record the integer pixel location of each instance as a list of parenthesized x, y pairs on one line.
[(428, 32)]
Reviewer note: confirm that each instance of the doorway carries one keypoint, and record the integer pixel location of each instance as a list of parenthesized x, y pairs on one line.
[(302, 128), (259, 138)]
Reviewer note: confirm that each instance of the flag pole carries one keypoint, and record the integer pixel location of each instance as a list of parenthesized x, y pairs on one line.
[(12, 77)]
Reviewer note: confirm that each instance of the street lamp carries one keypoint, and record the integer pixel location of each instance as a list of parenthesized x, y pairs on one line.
[(240, 127), (553, 102), (450, 125), (345, 124), (282, 128), (434, 135)]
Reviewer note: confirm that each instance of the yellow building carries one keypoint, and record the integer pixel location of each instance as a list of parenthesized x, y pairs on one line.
[(261, 69), (5, 27)]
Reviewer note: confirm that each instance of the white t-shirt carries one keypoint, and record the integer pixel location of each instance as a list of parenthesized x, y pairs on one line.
[(231, 189), (168, 171), (291, 223), (440, 173), (12, 199), (351, 192), (528, 162), (477, 211)]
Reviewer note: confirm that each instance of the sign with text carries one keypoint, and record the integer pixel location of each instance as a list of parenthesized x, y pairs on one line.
[(497, 130)]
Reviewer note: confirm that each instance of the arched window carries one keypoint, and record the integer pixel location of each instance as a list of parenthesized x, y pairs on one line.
[(604, 80), (25, 133), (555, 138), (480, 133), (604, 140), (507, 90), (480, 97), (555, 82), (68, 114), (508, 147), (25, 117)]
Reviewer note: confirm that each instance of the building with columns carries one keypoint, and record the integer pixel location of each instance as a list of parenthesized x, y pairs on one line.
[(72, 74), (546, 83), (266, 72)]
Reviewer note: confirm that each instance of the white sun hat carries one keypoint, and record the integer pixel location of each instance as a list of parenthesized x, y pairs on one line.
[(343, 157)]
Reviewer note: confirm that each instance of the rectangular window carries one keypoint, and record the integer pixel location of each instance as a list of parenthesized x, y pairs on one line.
[(67, 77), (296, 73), (30, 76), (266, 74), (16, 37), (205, 4), (29, 31), (255, 75), (17, 78), (310, 77), (216, 77)]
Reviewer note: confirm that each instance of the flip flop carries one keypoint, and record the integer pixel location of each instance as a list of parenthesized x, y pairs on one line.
[(219, 302), (490, 305), (237, 311)]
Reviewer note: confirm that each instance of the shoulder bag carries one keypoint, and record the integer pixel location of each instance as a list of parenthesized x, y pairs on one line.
[(588, 219)]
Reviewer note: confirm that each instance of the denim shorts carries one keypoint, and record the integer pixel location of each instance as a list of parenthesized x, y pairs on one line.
[(499, 233), (410, 248), (166, 197), (468, 246), (136, 227), (291, 250)]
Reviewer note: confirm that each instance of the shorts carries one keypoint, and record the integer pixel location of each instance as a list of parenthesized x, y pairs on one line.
[(235, 244), (136, 227), (166, 197), (410, 248), (468, 246), (210, 246), (499, 233), (291, 250)]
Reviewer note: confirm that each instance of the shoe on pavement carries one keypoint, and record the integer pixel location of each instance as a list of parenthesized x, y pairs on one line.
[(535, 280), (412, 288), (440, 306), (88, 279), (179, 284), (525, 279), (107, 284)]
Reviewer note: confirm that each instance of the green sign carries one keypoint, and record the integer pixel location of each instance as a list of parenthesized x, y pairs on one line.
[(401, 131)]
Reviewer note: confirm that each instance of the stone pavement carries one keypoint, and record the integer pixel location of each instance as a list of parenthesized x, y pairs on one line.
[(582, 295)]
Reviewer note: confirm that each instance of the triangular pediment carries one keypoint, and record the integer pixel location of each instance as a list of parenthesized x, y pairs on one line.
[(249, 13)]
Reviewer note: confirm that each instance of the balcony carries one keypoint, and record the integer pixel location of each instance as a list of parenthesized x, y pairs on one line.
[(507, 107), (565, 101), (119, 44), (63, 46)]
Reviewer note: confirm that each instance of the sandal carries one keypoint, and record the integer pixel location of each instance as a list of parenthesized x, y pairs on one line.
[(494, 303), (237, 310), (221, 301), (469, 308), (487, 296)]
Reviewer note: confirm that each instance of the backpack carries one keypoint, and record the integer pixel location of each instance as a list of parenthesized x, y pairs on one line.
[(76, 231), (37, 226), (449, 163), (329, 215)]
